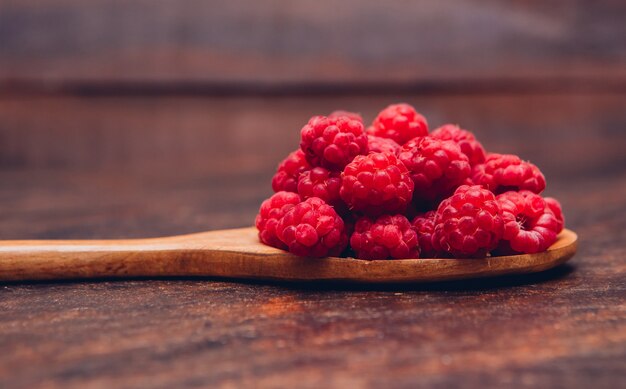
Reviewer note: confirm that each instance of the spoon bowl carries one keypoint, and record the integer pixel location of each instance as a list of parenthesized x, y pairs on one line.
[(237, 253)]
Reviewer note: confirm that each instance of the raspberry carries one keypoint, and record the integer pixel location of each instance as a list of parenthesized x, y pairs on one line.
[(424, 225), (556, 209), (322, 183), (382, 145), (286, 177), (312, 229), (399, 122), (376, 183), (272, 210), (333, 142), (530, 226), (464, 139), (386, 237), (469, 223), (437, 167), (505, 172), (376, 190), (351, 115)]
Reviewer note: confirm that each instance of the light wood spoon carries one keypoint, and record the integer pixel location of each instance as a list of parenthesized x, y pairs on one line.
[(237, 253)]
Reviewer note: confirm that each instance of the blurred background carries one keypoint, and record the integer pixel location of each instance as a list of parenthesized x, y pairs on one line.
[(146, 117)]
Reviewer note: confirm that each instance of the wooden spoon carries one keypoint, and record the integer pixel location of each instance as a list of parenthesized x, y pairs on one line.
[(237, 253)]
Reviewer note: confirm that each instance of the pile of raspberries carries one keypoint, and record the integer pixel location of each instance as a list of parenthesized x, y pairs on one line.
[(396, 190)]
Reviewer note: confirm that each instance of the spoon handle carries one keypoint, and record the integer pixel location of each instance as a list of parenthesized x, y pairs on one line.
[(39, 260), (219, 253)]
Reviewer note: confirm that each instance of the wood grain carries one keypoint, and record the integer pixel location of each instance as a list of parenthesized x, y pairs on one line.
[(268, 44), (238, 254), (168, 117), (126, 167), (207, 135)]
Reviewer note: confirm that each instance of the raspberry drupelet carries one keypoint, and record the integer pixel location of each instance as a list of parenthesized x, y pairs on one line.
[(312, 228), (399, 122), (469, 223), (333, 142), (382, 145), (388, 236), (437, 167), (322, 183), (271, 211), (375, 184), (556, 209), (464, 139), (530, 225), (424, 225), (506, 172), (286, 177)]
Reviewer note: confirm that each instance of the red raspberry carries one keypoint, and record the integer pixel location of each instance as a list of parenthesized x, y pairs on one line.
[(312, 229), (530, 226), (272, 210), (424, 225), (351, 115), (505, 172), (386, 237), (437, 167), (333, 142), (468, 224), (382, 145), (464, 139), (376, 183), (286, 177), (556, 209), (322, 183), (399, 122)]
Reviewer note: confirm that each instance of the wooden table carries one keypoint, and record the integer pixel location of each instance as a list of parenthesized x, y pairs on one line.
[(150, 118), (165, 165)]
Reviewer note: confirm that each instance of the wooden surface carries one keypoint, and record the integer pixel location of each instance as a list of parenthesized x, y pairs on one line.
[(145, 118), (237, 253), (141, 166), (197, 44)]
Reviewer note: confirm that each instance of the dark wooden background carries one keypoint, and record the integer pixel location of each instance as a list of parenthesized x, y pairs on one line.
[(146, 118)]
